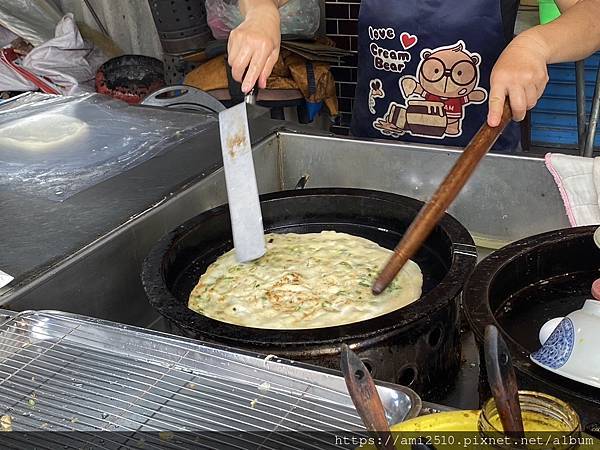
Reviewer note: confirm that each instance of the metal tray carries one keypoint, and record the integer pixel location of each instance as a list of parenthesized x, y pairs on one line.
[(99, 384)]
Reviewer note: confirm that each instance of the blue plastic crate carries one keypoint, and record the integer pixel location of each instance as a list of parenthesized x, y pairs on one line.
[(554, 119)]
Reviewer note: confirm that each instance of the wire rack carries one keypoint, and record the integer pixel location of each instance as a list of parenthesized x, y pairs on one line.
[(72, 382)]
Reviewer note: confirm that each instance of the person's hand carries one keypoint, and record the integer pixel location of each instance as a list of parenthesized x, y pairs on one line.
[(521, 74), (254, 45)]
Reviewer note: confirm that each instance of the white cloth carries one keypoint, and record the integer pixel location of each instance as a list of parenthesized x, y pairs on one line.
[(578, 180)]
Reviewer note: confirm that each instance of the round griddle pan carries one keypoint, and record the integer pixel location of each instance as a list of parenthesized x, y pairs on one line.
[(524, 284), (175, 264)]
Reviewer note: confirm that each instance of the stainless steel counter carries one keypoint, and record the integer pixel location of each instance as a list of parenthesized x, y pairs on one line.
[(84, 255), (508, 197)]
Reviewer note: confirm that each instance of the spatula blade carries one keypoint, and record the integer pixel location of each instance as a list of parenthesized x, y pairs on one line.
[(242, 191)]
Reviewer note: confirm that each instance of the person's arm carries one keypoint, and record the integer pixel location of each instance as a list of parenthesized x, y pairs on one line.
[(254, 45), (521, 73)]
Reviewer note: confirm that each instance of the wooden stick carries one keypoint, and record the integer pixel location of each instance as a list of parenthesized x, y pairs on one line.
[(503, 383), (432, 211), (365, 397)]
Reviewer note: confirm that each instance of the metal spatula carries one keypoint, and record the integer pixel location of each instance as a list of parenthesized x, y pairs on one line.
[(242, 192)]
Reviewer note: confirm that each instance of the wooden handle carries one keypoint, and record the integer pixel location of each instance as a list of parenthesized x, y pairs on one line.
[(503, 382), (365, 397), (432, 211)]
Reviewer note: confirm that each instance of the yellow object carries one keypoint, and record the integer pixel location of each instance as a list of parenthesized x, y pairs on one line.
[(435, 429), (289, 73), (547, 421), (489, 242), (445, 421), (533, 422), (455, 430), (100, 40)]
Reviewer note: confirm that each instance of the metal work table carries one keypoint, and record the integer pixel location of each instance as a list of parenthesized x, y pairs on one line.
[(41, 239), (509, 197), (84, 255)]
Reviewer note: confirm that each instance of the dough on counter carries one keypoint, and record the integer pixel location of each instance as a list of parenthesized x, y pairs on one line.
[(304, 281), (42, 132)]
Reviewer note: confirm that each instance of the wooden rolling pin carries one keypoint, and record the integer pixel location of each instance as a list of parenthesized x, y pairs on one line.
[(432, 211)]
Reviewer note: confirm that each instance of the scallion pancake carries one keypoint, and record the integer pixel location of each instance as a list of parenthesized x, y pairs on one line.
[(311, 280)]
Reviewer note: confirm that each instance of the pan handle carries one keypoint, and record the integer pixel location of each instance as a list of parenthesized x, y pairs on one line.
[(184, 97), (301, 184)]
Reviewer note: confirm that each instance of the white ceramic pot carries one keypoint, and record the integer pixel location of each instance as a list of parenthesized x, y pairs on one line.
[(597, 237), (570, 345)]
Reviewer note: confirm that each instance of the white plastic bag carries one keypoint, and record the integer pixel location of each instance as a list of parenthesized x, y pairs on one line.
[(6, 36), (66, 60), (298, 17), (33, 20), (12, 81)]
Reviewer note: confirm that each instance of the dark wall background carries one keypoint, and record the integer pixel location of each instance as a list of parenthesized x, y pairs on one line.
[(341, 22)]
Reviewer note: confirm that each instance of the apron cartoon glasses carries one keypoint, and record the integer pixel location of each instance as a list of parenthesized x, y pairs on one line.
[(461, 73)]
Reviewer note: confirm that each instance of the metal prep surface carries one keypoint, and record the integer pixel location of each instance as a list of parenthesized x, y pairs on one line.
[(79, 376), (44, 242), (507, 198), (84, 256)]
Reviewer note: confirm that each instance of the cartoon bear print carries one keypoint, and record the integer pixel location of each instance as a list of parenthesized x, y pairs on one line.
[(375, 91), (447, 79)]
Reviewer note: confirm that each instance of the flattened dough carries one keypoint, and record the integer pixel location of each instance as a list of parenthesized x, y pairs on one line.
[(304, 281), (42, 132)]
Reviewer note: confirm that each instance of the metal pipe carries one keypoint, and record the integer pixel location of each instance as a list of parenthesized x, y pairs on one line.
[(591, 131), (580, 92), (96, 18)]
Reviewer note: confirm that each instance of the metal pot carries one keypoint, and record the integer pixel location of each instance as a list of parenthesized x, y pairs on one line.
[(417, 346), (520, 287)]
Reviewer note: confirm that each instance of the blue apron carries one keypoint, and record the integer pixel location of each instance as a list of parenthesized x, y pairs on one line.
[(424, 69)]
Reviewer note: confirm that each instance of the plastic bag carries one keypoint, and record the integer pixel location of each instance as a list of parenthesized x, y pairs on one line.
[(33, 20), (66, 60), (6, 36), (55, 146), (298, 17), (12, 81)]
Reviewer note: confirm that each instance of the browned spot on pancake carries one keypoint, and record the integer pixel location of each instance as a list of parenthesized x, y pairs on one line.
[(289, 278)]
